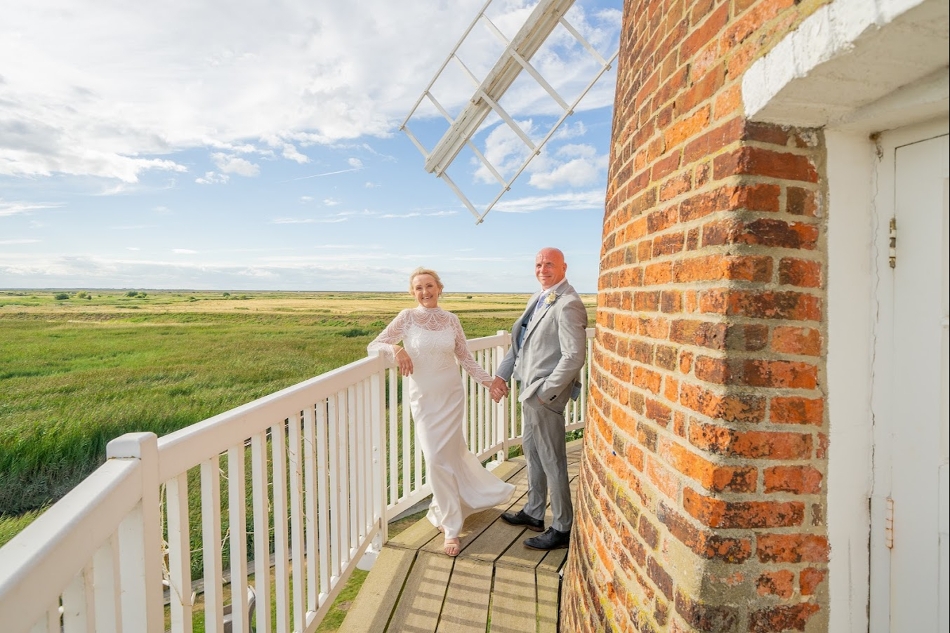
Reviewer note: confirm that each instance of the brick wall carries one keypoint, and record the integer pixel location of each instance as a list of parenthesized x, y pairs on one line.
[(701, 504)]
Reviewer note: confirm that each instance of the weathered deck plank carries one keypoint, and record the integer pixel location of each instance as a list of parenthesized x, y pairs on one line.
[(549, 591), (420, 604), (467, 599), (514, 606)]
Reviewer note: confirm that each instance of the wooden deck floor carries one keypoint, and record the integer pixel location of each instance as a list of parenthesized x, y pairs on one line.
[(495, 584)]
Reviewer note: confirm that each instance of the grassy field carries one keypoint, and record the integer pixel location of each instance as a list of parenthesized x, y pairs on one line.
[(78, 368)]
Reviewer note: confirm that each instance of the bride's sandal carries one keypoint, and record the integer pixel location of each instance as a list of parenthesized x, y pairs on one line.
[(452, 547)]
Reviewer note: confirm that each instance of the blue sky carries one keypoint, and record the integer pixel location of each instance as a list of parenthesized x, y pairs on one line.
[(256, 145)]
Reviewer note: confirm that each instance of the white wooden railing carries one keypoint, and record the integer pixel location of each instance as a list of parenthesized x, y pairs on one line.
[(321, 467)]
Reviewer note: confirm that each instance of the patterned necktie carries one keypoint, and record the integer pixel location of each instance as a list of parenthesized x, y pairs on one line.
[(538, 305)]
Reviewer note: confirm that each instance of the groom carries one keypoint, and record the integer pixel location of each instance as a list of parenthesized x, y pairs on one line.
[(549, 343)]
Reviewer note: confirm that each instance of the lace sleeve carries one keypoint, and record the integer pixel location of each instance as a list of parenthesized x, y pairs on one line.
[(385, 343), (465, 358)]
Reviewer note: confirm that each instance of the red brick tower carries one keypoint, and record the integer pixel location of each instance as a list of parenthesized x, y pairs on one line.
[(702, 497)]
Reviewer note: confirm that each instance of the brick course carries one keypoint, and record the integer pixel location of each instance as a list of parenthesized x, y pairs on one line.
[(701, 500)]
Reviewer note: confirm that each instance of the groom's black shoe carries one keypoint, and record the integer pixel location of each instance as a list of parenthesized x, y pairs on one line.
[(552, 539), (520, 518)]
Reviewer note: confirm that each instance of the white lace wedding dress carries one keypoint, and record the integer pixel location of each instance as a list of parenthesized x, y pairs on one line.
[(460, 485)]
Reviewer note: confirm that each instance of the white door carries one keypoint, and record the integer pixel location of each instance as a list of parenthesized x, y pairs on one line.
[(918, 558)]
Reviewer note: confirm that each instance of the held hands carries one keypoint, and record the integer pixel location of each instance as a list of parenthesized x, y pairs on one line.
[(498, 389), (403, 361)]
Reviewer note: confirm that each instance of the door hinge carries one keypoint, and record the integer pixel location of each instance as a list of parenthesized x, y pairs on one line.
[(892, 243), (889, 523)]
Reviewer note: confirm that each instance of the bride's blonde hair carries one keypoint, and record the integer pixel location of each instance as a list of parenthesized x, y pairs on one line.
[(425, 271)]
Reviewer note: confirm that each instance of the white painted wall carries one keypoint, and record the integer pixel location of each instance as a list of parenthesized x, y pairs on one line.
[(851, 159)]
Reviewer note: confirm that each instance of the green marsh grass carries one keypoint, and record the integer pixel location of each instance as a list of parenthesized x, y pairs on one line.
[(78, 372)]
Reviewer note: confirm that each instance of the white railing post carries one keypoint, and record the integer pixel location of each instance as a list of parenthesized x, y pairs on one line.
[(140, 539)]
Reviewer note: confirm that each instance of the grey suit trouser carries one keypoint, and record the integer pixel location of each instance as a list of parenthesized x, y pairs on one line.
[(546, 454)]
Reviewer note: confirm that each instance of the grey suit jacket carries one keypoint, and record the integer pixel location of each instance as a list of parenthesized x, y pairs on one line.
[(548, 352)]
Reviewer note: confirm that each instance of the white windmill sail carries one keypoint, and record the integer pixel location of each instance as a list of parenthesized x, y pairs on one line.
[(516, 57)]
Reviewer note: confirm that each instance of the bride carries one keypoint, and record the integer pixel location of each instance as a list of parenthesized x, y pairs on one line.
[(432, 339)]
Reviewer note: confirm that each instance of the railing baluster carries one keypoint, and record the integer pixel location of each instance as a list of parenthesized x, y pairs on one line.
[(378, 454), (298, 607), (353, 468), (50, 622), (498, 354), (179, 553), (468, 426), (409, 484), (323, 500), (260, 505), (281, 555), (369, 436), (359, 447), (237, 522), (211, 544), (310, 508), (393, 436), (78, 612), (417, 449), (105, 578), (336, 470), (480, 405)]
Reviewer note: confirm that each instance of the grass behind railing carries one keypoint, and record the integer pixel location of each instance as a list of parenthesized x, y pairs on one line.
[(77, 373)]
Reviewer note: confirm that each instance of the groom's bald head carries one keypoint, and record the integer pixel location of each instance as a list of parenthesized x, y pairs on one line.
[(550, 267)]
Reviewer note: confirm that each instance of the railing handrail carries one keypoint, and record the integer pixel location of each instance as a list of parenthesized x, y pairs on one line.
[(92, 508), (207, 436), (71, 553)]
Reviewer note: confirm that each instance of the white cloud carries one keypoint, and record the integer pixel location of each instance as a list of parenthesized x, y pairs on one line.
[(330, 202), (290, 153), (575, 173), (306, 199), (569, 130), (17, 207), (20, 241), (583, 168), (229, 164), (184, 251), (567, 165), (132, 248), (212, 178), (592, 199), (355, 163), (505, 150), (112, 89)]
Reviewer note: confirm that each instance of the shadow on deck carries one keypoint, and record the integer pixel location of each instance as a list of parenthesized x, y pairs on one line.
[(495, 585)]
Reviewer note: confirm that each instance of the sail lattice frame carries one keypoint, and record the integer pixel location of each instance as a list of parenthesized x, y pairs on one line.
[(516, 58)]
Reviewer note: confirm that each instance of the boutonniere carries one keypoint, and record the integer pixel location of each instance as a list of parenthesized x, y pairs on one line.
[(551, 298)]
